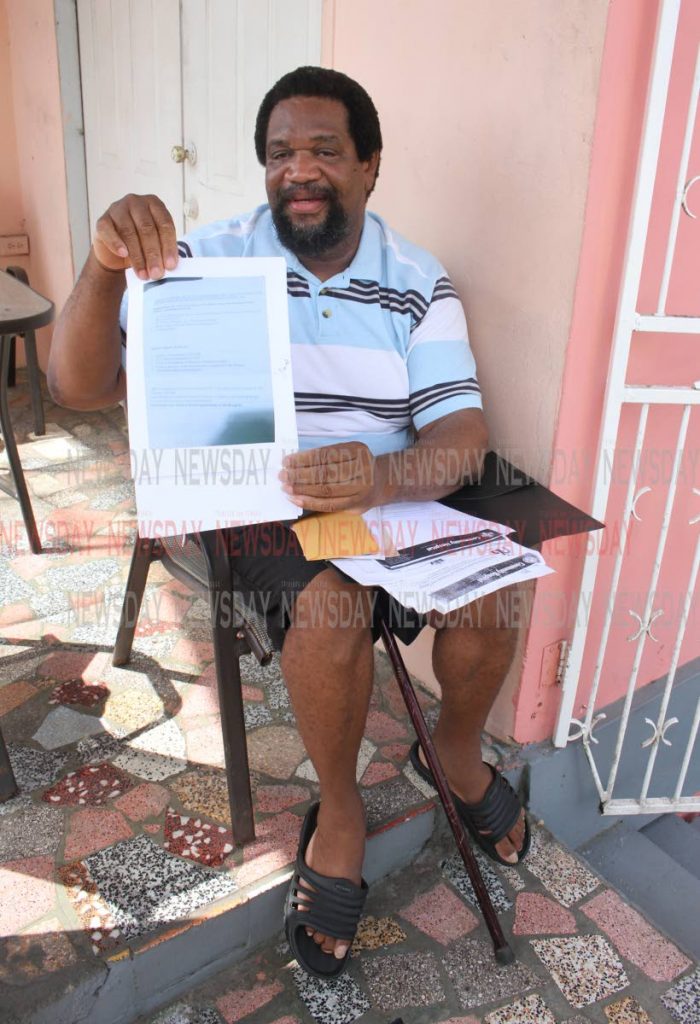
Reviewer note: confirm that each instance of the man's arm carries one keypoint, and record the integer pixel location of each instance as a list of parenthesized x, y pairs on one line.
[(448, 453), (85, 369)]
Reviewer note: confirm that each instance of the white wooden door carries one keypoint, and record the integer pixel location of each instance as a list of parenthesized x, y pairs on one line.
[(233, 51), (161, 73), (132, 100)]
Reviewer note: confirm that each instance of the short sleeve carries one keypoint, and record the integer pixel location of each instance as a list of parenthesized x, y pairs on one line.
[(441, 367)]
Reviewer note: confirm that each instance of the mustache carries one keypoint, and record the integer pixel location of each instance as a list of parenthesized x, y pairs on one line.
[(288, 195)]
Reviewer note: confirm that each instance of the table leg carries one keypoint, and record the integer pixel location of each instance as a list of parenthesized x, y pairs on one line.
[(16, 472)]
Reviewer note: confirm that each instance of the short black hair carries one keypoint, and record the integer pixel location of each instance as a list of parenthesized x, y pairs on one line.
[(363, 120)]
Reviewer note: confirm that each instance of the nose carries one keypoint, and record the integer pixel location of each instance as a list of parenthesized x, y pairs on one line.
[(303, 166)]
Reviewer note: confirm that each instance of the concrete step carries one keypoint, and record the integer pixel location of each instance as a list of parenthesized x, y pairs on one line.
[(664, 891), (678, 839)]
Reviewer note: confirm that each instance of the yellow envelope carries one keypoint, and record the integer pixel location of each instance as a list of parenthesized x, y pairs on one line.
[(334, 535)]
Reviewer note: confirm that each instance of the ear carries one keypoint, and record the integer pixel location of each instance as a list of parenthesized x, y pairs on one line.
[(371, 167)]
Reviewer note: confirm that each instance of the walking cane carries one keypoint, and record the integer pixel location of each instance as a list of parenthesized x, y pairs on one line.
[(502, 951)]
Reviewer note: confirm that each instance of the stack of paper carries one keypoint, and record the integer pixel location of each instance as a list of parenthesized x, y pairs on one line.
[(434, 558)]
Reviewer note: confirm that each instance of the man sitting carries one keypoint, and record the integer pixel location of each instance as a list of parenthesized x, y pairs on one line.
[(383, 377)]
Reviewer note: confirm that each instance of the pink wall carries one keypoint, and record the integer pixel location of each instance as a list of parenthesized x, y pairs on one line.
[(39, 186), (624, 78), (11, 211), (488, 113)]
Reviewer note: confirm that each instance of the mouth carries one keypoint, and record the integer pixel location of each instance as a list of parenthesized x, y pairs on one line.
[(306, 205)]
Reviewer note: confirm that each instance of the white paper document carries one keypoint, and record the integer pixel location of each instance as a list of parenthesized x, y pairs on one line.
[(434, 558), (210, 395)]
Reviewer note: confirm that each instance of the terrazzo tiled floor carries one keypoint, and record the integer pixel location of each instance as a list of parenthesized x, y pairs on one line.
[(422, 953), (121, 827)]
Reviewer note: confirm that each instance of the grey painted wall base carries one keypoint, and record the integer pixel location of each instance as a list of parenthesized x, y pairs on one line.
[(561, 788), (119, 991)]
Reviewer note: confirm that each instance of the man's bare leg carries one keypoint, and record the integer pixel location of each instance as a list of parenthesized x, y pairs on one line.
[(472, 653), (327, 664)]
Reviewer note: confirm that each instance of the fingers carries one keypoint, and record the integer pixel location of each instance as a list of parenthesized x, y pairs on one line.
[(331, 478), (138, 232)]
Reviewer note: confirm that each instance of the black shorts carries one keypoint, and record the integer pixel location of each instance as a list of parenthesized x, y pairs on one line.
[(270, 569)]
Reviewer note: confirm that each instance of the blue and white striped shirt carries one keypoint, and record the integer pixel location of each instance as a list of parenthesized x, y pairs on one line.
[(378, 350)]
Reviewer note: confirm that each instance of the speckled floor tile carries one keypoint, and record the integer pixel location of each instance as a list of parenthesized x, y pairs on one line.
[(75, 691), (456, 873), (63, 726), (132, 710), (201, 841), (16, 803), (256, 715), (101, 747), (182, 1013), (683, 999), (145, 886), (272, 799), (275, 846), (91, 784), (560, 872), (367, 750), (145, 801), (379, 771), (375, 933), (204, 791), (538, 915), (403, 979), (513, 876), (34, 954), (627, 1011), (478, 978), (31, 832), (28, 892), (387, 799), (331, 1002), (275, 750), (35, 768), (423, 787), (95, 914), (82, 578), (635, 938), (12, 695), (441, 914), (240, 1002), (586, 968), (152, 767), (205, 744), (91, 830), (531, 1009), (382, 728)]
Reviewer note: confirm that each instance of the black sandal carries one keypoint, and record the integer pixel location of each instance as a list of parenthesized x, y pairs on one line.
[(334, 909), (495, 814)]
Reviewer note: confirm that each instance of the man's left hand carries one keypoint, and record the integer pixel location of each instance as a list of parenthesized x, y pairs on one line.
[(340, 477)]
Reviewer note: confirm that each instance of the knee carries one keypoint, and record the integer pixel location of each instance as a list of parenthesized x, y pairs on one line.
[(331, 619)]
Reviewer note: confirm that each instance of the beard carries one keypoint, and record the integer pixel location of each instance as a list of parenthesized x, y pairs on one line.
[(311, 240)]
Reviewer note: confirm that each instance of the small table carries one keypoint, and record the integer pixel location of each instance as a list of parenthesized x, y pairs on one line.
[(21, 310)]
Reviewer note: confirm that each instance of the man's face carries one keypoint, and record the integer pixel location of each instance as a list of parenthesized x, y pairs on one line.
[(316, 185)]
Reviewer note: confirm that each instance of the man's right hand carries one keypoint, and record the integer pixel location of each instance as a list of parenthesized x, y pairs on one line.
[(138, 232)]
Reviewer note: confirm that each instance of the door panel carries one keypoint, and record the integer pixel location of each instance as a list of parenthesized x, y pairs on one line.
[(233, 51), (130, 69)]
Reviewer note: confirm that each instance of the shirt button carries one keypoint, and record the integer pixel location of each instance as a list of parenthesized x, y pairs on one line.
[(326, 313), (324, 291)]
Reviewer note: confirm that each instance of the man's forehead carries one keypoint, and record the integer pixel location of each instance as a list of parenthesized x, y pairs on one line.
[(319, 117)]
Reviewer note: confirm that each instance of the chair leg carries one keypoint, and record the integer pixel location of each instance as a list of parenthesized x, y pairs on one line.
[(229, 645), (34, 383), (8, 783), (503, 952), (32, 363), (141, 558), (16, 472)]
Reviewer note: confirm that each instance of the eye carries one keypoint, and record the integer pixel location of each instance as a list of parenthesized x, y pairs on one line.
[(277, 155), (326, 153)]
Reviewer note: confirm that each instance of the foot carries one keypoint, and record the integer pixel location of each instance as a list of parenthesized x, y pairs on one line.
[(470, 786), (336, 850)]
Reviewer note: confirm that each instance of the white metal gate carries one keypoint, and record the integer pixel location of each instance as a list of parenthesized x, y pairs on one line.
[(640, 401)]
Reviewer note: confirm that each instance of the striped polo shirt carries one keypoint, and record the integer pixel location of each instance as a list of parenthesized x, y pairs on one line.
[(378, 350)]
